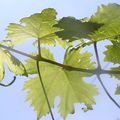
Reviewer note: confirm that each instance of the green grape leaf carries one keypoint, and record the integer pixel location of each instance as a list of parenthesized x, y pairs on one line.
[(13, 64), (112, 54), (69, 85), (109, 16), (106, 13), (75, 29), (117, 90), (79, 58), (38, 26), (110, 31)]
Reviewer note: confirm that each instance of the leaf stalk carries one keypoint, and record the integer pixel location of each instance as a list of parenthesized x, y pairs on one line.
[(41, 81)]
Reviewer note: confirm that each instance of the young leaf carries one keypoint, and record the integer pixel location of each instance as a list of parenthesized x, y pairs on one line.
[(39, 26), (60, 82), (13, 64)]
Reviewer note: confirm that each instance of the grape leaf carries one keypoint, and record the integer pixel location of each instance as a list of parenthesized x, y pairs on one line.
[(13, 64), (106, 13), (109, 16), (79, 58), (117, 90), (60, 82), (38, 26), (103, 25), (112, 54), (110, 31), (75, 29)]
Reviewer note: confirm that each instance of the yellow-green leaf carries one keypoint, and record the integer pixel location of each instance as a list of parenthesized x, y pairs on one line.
[(69, 85), (109, 16), (12, 62), (39, 26), (112, 53)]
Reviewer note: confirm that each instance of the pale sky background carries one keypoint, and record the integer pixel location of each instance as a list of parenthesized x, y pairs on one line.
[(12, 99)]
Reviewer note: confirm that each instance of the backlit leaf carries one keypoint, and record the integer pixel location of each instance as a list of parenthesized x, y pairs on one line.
[(13, 64), (112, 54), (38, 26), (106, 13), (109, 16), (69, 85)]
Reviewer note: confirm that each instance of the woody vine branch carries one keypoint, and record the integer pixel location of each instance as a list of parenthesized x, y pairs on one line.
[(67, 67)]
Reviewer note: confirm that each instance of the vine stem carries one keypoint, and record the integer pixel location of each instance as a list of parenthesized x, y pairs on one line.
[(70, 68), (41, 81), (108, 94), (67, 67), (18, 52), (99, 78), (3, 85)]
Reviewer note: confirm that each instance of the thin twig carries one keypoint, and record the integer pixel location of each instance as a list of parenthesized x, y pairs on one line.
[(97, 56), (3, 85), (67, 67), (41, 81), (100, 80), (17, 51), (71, 68), (106, 91)]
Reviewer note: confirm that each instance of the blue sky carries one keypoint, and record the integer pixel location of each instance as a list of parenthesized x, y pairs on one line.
[(12, 105)]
